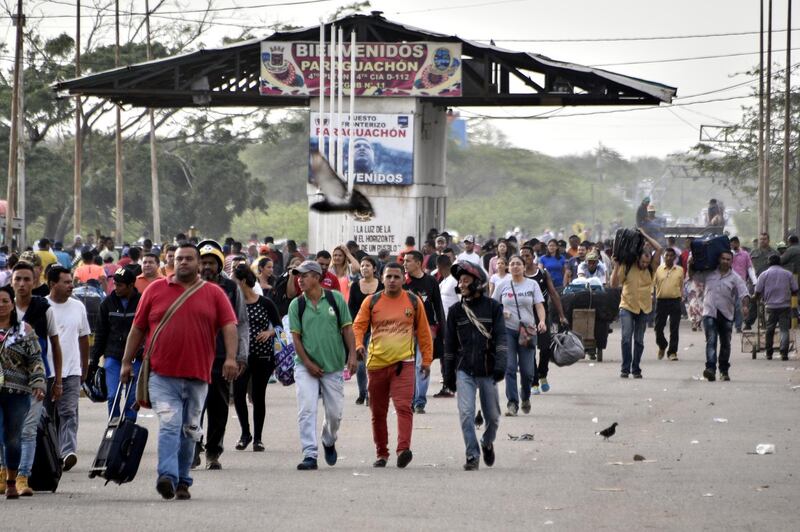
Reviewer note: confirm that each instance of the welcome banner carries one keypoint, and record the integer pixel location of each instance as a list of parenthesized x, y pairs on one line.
[(382, 69)]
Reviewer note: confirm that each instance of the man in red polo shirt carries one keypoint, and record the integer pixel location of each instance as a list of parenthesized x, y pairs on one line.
[(180, 362), (328, 281)]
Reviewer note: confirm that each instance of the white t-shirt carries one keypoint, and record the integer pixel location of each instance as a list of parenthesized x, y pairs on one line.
[(528, 294), (72, 324), (496, 279), (52, 330), (447, 288), (473, 257)]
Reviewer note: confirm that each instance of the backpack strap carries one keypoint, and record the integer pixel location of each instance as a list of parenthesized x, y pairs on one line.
[(374, 300)]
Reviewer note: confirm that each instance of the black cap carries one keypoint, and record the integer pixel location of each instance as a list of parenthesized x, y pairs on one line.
[(125, 276)]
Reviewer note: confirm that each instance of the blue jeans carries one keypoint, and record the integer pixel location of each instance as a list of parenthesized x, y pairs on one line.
[(112, 366), (633, 327), (178, 404), (361, 374), (467, 386), (29, 429), (525, 359), (421, 384), (13, 409), (718, 328)]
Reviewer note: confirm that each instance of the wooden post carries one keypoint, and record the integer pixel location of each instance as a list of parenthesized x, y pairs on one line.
[(120, 225), (761, 119), (768, 120), (78, 157), (153, 155), (787, 128), (13, 144)]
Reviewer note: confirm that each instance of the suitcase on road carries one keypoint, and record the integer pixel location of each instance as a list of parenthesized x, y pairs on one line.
[(122, 446), (47, 465)]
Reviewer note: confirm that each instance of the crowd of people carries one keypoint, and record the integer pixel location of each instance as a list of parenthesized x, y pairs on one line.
[(198, 320)]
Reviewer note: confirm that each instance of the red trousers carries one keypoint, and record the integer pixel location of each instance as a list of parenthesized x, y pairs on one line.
[(383, 384)]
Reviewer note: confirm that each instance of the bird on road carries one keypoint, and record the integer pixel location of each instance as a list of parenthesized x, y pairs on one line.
[(608, 432), (335, 197), (479, 419)]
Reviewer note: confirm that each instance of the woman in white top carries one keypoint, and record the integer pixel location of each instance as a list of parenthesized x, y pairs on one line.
[(501, 272), (503, 252), (523, 305)]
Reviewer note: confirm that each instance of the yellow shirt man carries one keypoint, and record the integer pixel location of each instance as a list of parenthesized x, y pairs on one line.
[(637, 289), (669, 282)]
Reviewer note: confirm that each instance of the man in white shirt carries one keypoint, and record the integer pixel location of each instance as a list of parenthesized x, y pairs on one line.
[(469, 254), (73, 334), (447, 288)]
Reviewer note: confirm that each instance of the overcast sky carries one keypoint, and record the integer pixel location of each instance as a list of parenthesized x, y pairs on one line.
[(655, 131)]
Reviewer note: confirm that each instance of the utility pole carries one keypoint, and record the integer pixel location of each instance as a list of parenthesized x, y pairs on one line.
[(21, 208), (768, 121), (13, 144), (761, 119), (120, 227), (76, 184), (786, 127), (153, 156)]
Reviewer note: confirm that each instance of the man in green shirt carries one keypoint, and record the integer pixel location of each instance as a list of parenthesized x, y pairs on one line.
[(321, 329)]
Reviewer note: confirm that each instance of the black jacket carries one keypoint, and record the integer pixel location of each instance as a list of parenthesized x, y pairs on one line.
[(113, 326), (466, 349)]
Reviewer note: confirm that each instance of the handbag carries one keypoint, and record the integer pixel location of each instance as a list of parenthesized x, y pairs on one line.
[(526, 335), (143, 382), (284, 357)]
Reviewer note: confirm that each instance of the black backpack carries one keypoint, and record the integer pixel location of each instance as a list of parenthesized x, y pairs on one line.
[(281, 298)]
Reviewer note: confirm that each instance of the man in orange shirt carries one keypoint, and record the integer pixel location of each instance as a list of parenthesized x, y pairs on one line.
[(169, 260), (89, 270), (398, 322), (149, 272)]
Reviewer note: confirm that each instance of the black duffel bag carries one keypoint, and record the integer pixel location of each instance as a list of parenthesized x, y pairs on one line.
[(628, 246)]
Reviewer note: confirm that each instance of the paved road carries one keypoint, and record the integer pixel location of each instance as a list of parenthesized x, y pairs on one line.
[(698, 473)]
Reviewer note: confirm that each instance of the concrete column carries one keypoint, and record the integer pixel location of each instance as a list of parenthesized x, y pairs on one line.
[(400, 210)]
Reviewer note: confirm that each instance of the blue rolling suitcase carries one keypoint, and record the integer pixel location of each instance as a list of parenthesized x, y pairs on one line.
[(122, 446)]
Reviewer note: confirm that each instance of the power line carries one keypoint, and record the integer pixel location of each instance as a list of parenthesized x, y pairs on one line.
[(640, 38), (679, 59), (446, 8), (542, 116)]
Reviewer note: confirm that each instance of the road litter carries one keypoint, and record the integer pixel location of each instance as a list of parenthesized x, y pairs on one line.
[(694, 442), (668, 421), (521, 437), (720, 420), (796, 387), (548, 522), (552, 509), (572, 452), (762, 488), (790, 368), (708, 494), (609, 489), (765, 448), (357, 474), (591, 364), (638, 458), (595, 420)]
